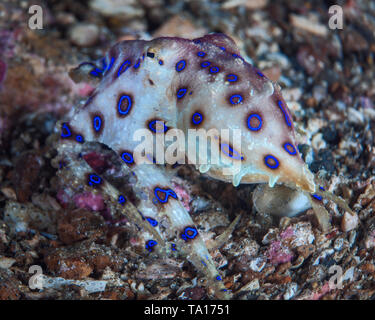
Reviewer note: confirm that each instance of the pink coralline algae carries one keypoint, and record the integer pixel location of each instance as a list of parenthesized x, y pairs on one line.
[(183, 195), (89, 201), (86, 200), (278, 253)]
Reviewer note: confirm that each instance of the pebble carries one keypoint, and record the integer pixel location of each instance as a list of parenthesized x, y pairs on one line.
[(306, 24), (178, 26), (123, 9), (355, 116), (349, 222), (249, 4), (258, 264), (84, 34), (290, 291), (6, 263), (252, 285)]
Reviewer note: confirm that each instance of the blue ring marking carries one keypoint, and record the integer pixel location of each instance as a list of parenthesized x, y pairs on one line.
[(282, 107), (167, 192), (127, 157), (204, 263), (293, 152), (110, 65), (317, 197), (235, 55), (235, 154), (223, 48), (173, 247), (152, 221), (79, 138), (201, 54), (121, 200), (126, 64), (94, 179), (97, 122), (254, 115), (205, 64), (267, 158), (260, 74), (136, 66), (235, 96), (161, 62), (126, 111), (96, 72), (68, 132), (152, 123), (199, 115), (150, 244), (232, 78), (186, 234), (214, 69), (181, 93), (218, 278), (180, 65)]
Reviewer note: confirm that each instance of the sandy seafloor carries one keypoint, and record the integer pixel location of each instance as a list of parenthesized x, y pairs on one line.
[(328, 80)]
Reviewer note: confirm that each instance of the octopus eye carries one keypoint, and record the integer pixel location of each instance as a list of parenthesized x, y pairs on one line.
[(180, 65), (181, 92), (290, 148), (271, 162), (254, 122), (235, 99), (124, 105)]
